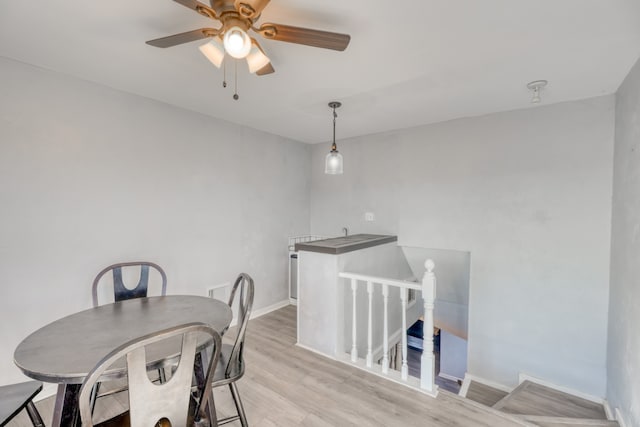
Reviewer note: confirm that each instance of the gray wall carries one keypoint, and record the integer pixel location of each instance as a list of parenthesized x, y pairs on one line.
[(90, 176), (528, 194), (623, 361)]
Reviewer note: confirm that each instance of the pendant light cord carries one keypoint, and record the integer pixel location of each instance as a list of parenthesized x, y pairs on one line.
[(335, 115)]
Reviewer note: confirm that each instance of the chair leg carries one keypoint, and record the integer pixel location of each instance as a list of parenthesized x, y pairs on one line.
[(162, 375), (93, 398), (211, 411), (34, 415), (236, 399)]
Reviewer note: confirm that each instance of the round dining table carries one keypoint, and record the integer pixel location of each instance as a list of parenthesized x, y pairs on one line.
[(66, 350)]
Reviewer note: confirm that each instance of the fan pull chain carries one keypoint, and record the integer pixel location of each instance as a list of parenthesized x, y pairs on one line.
[(224, 73), (235, 95)]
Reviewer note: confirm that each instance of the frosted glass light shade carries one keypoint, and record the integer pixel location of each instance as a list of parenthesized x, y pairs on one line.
[(333, 163), (214, 51), (256, 59), (237, 42)]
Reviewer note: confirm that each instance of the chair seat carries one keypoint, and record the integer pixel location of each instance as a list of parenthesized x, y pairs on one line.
[(15, 397), (236, 370)]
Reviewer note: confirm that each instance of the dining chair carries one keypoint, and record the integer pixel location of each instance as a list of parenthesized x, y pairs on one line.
[(231, 366), (152, 404), (122, 292), (16, 397)]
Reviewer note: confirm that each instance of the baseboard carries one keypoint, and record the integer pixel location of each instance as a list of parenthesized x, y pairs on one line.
[(449, 377), (293, 301), (525, 377), (312, 350), (262, 311), (486, 382), (620, 419), (465, 386), (607, 410)]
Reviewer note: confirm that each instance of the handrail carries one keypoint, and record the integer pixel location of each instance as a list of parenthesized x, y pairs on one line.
[(374, 279), (428, 290)]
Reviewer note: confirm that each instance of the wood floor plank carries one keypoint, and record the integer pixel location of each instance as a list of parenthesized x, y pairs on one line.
[(568, 422), (484, 394), (534, 399)]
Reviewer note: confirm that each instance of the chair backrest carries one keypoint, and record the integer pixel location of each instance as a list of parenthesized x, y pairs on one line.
[(244, 288), (148, 402), (120, 291)]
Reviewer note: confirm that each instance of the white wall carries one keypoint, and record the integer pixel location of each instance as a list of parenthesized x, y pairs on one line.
[(623, 361), (451, 311), (90, 176), (528, 194), (453, 356)]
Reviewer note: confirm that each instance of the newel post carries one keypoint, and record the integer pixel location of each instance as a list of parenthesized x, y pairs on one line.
[(428, 361)]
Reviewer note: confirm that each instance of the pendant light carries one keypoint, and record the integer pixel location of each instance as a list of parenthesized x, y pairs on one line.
[(333, 161)]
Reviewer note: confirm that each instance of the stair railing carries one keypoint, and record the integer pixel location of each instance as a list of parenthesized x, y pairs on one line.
[(428, 289)]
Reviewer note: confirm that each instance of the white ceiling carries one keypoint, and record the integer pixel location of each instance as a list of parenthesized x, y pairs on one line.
[(410, 62)]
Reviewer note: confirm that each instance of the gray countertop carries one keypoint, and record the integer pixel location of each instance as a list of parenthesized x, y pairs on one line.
[(341, 245)]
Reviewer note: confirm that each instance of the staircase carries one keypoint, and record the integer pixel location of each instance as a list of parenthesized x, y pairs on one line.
[(540, 406)]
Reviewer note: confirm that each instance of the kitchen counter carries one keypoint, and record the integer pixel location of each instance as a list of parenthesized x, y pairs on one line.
[(341, 245)]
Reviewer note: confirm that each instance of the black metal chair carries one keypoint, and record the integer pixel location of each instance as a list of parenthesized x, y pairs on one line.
[(16, 397), (231, 366), (151, 404), (120, 291)]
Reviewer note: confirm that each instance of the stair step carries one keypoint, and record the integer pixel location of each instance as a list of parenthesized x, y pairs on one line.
[(564, 422), (482, 393), (534, 399)]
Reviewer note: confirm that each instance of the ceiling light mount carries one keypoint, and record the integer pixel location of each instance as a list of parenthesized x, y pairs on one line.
[(536, 87)]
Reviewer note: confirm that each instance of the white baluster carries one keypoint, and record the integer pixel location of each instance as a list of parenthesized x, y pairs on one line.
[(354, 347), (405, 366), (370, 327), (385, 339), (428, 365)]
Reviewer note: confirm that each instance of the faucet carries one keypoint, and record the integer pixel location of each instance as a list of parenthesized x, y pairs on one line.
[(345, 230)]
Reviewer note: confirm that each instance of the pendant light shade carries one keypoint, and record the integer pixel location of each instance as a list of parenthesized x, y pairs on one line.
[(256, 58), (333, 162)]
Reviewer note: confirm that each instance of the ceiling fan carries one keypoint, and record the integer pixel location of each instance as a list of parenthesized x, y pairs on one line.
[(237, 18)]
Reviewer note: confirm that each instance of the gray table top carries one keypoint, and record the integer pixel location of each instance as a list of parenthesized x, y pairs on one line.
[(66, 350)]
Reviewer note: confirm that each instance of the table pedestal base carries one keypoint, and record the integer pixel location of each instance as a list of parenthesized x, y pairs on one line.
[(65, 412)]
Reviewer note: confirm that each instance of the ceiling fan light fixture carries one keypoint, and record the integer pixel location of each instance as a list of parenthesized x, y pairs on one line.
[(214, 51), (237, 42), (256, 58)]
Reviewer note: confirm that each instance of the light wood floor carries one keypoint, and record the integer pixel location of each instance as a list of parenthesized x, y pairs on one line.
[(285, 385), (484, 394)]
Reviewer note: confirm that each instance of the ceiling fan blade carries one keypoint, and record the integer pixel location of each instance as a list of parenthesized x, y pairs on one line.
[(181, 38), (306, 36), (251, 8), (267, 69), (201, 8)]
